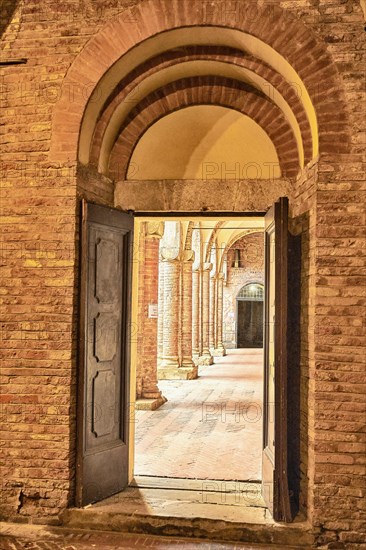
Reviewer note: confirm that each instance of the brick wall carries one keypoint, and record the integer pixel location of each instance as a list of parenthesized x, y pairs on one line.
[(39, 264), (328, 211), (339, 349), (303, 223), (251, 271), (39, 256)]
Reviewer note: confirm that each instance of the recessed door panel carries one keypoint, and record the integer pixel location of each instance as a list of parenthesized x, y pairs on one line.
[(103, 392)]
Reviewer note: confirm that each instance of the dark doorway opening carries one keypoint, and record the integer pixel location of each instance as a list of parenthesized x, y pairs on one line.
[(250, 316)]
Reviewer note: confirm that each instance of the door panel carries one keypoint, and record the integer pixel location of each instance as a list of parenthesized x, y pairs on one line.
[(103, 380), (274, 471)]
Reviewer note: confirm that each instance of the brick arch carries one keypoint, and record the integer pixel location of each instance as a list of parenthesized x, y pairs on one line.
[(207, 53), (210, 90), (212, 240), (189, 235), (269, 23), (239, 235)]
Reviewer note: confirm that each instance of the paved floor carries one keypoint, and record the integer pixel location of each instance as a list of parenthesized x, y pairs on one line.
[(24, 537), (153, 497), (210, 428)]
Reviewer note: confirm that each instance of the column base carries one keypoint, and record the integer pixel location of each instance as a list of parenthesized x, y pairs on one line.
[(187, 363), (178, 373), (150, 404), (168, 363), (219, 352), (205, 360)]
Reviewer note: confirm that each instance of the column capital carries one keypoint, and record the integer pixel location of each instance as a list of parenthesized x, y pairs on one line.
[(220, 276), (169, 254), (188, 256), (206, 267), (154, 230)]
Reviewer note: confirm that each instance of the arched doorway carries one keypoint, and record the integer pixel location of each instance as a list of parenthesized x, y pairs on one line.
[(249, 314), (105, 126)]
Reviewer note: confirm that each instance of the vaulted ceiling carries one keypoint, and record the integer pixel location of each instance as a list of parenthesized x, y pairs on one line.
[(257, 109)]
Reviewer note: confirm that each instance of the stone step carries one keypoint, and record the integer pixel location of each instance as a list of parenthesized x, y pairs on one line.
[(206, 485), (181, 512)]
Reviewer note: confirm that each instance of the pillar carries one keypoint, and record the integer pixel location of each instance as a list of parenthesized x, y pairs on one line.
[(148, 395), (200, 321), (160, 308), (188, 370), (220, 349), (196, 296), (206, 357), (212, 314), (169, 363), (186, 311)]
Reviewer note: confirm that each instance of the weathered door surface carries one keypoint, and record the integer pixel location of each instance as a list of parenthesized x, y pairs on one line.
[(103, 370), (274, 462)]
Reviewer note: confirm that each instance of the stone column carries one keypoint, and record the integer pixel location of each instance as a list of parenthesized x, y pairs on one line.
[(220, 349), (200, 315), (212, 313), (170, 357), (187, 366), (206, 358), (196, 295)]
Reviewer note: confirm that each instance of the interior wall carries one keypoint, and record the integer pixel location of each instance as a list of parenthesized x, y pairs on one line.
[(251, 271)]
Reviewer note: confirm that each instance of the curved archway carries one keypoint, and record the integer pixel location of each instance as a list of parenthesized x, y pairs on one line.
[(241, 98), (199, 60), (119, 47), (251, 291)]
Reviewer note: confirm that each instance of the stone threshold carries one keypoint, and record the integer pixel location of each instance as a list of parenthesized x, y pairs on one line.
[(206, 509), (21, 536)]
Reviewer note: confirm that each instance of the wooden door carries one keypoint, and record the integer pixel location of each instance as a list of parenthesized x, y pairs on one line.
[(104, 354), (274, 459)]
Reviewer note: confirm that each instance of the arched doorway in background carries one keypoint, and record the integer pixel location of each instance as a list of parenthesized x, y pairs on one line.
[(249, 314)]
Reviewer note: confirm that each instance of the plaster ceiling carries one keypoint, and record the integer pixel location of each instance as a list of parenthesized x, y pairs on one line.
[(205, 142)]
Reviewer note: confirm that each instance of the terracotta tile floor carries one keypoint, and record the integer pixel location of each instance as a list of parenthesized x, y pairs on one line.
[(210, 428)]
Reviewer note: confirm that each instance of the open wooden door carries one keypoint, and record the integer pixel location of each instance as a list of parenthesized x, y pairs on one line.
[(274, 461), (103, 370)]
